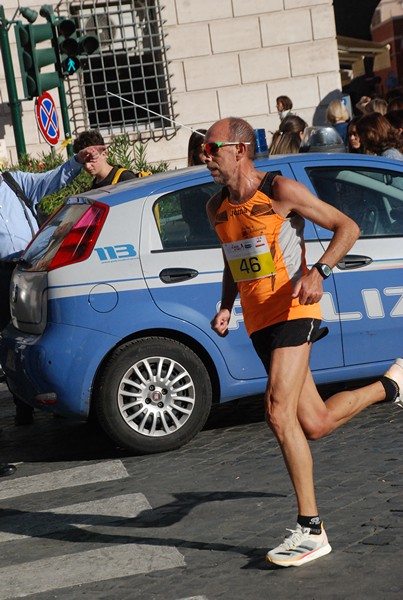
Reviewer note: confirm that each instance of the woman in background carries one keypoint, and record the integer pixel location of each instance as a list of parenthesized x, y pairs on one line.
[(395, 104), (284, 106), (378, 136), (395, 118), (195, 151), (287, 138), (338, 116), (368, 105), (376, 105), (353, 140)]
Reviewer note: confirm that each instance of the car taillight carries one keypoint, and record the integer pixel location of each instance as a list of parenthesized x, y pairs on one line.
[(80, 240)]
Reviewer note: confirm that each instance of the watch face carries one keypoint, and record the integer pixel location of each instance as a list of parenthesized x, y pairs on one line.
[(323, 269)]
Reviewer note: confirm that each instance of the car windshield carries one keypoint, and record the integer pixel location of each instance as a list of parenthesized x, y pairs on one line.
[(47, 242)]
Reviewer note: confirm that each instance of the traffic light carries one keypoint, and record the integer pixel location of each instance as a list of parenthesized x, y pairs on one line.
[(71, 47), (64, 51), (67, 44), (33, 59), (68, 47)]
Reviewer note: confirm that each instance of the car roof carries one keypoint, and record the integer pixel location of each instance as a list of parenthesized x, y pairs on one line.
[(145, 186)]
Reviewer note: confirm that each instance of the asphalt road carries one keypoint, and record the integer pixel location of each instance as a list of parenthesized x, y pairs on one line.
[(84, 519)]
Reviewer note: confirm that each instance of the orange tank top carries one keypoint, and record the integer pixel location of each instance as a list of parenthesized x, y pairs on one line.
[(266, 255)]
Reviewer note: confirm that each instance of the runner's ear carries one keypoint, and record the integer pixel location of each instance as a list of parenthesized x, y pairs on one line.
[(241, 149)]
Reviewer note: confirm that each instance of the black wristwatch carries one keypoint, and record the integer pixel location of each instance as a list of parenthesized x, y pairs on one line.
[(323, 269)]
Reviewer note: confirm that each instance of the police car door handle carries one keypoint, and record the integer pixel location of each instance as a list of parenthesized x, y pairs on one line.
[(354, 261), (177, 274)]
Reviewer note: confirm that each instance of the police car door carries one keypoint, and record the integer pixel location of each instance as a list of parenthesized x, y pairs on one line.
[(369, 280), (182, 265)]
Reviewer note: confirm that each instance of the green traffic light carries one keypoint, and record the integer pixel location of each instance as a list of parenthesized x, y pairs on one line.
[(71, 65)]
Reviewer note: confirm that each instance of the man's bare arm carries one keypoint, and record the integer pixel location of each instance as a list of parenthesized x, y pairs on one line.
[(229, 292), (229, 288), (291, 196)]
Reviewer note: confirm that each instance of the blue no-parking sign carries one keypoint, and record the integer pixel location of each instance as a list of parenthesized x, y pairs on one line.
[(46, 117)]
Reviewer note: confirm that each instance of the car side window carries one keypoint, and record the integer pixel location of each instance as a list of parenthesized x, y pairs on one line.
[(182, 219), (373, 198)]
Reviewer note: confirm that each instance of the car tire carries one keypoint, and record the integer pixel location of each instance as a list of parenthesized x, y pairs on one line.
[(154, 395)]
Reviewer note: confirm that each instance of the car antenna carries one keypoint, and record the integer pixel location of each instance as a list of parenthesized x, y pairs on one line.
[(153, 112)]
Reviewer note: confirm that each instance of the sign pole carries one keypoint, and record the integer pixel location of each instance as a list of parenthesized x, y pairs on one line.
[(14, 102), (65, 117)]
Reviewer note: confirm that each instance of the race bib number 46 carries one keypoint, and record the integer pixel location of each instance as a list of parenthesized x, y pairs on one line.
[(249, 259)]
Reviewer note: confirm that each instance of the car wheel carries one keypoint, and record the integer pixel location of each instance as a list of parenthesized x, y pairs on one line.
[(154, 395)]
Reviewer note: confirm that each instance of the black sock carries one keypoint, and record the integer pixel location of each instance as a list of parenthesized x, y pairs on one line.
[(391, 388), (313, 523)]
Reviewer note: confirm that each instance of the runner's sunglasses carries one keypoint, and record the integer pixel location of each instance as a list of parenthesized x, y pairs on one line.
[(211, 148)]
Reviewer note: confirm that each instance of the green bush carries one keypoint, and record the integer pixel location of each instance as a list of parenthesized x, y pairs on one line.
[(121, 152), (80, 184)]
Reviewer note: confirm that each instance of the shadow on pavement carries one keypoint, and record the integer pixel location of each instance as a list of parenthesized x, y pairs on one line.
[(52, 439)]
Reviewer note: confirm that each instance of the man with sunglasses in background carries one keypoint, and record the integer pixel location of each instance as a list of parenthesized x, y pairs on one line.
[(259, 218)]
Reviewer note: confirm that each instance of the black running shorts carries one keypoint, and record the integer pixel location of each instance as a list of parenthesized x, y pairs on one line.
[(285, 334)]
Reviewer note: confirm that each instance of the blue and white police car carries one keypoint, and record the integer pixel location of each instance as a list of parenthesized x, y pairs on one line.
[(112, 301)]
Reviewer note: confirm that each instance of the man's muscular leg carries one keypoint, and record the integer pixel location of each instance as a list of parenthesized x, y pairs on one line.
[(296, 411), (288, 374), (319, 418)]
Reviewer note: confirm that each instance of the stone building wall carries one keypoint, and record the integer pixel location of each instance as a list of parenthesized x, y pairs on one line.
[(227, 57)]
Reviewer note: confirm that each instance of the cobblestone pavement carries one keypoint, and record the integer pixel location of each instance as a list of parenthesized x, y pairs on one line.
[(84, 519)]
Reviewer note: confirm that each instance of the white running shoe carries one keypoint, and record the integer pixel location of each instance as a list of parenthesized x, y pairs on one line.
[(299, 548), (395, 373)]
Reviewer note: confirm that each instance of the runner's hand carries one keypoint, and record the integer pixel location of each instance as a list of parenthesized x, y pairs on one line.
[(309, 288), (221, 321)]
